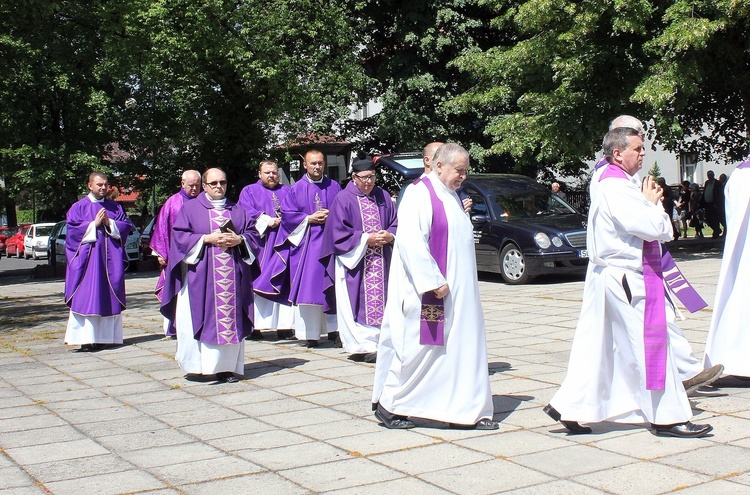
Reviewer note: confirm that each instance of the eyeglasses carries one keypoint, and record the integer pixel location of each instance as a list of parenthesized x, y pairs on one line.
[(216, 183), (365, 178)]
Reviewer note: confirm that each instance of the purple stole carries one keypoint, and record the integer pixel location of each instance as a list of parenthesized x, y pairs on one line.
[(744, 164), (224, 285), (374, 269), (432, 318), (654, 314)]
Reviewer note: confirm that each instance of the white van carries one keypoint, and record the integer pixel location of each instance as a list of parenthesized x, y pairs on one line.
[(35, 242)]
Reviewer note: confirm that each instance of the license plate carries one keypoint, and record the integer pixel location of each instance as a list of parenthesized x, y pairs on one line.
[(583, 253)]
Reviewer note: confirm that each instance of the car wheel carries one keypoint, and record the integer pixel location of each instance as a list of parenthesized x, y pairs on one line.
[(513, 265)]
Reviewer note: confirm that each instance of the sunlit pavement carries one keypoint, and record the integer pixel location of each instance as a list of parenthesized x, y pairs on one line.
[(126, 420)]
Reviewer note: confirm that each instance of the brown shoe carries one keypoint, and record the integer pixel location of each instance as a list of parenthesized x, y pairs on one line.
[(705, 377)]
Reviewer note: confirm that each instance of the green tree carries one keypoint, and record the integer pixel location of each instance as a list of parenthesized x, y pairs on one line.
[(570, 67), (408, 47), (156, 86)]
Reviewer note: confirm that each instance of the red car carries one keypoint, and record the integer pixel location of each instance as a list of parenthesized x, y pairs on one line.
[(14, 244), (4, 234)]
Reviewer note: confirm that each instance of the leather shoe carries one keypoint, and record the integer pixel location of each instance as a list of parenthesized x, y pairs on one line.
[(572, 426), (397, 423), (682, 430), (371, 357), (482, 424), (705, 377), (312, 344), (256, 335), (226, 377)]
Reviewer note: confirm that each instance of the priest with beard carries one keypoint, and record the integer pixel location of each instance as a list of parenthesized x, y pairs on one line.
[(95, 274), (208, 291)]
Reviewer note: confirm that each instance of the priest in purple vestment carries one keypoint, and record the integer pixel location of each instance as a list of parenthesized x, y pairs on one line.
[(190, 186), (303, 215), (357, 246), (95, 274), (263, 202), (208, 291)]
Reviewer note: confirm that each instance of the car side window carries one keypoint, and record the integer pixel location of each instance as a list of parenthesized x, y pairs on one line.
[(479, 205)]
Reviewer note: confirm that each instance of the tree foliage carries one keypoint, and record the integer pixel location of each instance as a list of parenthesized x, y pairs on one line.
[(572, 66), (165, 85)]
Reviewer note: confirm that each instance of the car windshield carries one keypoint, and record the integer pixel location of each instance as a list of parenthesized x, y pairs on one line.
[(531, 204), (411, 163), (45, 230)]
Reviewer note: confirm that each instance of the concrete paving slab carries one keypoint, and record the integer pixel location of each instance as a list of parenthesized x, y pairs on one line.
[(486, 477), (265, 483)]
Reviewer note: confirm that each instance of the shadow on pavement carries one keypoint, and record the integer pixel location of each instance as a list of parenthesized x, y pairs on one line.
[(260, 368)]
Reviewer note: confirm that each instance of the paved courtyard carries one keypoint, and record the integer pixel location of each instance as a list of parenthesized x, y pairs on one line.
[(125, 420)]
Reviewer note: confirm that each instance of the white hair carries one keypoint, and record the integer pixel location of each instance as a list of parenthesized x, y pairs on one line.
[(627, 121)]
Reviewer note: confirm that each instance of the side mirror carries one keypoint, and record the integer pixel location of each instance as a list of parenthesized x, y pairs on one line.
[(479, 219)]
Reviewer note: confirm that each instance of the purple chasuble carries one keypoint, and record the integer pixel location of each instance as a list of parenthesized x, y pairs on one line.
[(744, 164), (95, 274), (220, 284), (258, 199), (353, 214), (654, 314), (160, 236), (432, 319), (303, 266)]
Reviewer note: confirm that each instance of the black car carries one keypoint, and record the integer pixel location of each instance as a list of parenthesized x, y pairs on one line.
[(522, 230)]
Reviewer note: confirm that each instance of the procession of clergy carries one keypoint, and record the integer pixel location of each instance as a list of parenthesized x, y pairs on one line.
[(389, 285)]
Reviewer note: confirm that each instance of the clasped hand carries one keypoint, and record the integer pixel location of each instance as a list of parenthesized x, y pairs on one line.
[(378, 239), (223, 239), (319, 217)]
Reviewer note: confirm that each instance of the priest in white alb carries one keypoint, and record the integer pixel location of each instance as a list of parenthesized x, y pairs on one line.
[(728, 340), (432, 354)]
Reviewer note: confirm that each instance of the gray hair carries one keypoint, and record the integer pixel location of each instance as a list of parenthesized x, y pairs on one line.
[(187, 173), (627, 121), (449, 153), (617, 139)]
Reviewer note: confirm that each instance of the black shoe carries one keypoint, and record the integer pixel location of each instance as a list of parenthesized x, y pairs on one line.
[(371, 357), (357, 358), (397, 423), (285, 334), (572, 426), (256, 335), (86, 348), (333, 336), (682, 430), (312, 344), (482, 424), (226, 377)]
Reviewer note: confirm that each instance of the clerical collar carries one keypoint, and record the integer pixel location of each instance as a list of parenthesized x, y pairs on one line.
[(93, 198), (216, 202), (315, 181)]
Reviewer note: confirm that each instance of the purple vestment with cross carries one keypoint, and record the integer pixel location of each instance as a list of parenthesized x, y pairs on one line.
[(352, 214), (258, 199), (302, 263), (220, 284)]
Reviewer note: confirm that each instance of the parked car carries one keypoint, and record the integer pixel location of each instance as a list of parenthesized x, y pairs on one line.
[(56, 244), (522, 230), (14, 243), (132, 248), (145, 240), (5, 232), (35, 240)]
